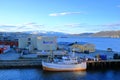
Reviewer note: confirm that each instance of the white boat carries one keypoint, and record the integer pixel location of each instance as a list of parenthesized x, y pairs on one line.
[(64, 64)]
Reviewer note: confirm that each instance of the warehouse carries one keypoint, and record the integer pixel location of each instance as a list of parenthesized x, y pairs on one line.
[(83, 47), (39, 43)]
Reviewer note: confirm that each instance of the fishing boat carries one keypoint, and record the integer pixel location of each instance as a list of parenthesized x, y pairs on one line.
[(66, 63)]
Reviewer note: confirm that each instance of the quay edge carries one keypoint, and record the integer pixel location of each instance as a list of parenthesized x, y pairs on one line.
[(105, 64), (27, 63)]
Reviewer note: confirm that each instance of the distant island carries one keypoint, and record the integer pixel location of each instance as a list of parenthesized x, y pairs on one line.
[(111, 34)]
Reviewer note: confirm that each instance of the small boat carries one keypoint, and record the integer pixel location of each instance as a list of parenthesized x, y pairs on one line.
[(67, 63)]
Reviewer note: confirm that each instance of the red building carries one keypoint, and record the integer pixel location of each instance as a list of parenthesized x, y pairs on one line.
[(1, 50), (11, 43)]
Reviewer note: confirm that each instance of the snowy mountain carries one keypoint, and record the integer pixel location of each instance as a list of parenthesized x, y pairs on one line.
[(47, 33)]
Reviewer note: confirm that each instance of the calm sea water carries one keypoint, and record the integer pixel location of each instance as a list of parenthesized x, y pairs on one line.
[(39, 74)]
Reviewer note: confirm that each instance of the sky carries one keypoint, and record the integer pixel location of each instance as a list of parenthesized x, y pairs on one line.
[(67, 16)]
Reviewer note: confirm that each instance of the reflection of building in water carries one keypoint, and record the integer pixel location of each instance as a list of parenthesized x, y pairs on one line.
[(80, 73), (76, 75)]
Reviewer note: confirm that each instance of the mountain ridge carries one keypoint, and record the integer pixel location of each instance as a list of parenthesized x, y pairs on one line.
[(112, 34)]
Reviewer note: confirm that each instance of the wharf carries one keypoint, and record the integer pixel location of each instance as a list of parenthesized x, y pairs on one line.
[(22, 63), (103, 64), (12, 60)]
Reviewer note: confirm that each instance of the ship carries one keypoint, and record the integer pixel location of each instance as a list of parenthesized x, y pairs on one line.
[(66, 63)]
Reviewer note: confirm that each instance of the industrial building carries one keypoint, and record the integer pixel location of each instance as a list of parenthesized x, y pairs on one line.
[(77, 46), (4, 48), (39, 43), (83, 47), (64, 46)]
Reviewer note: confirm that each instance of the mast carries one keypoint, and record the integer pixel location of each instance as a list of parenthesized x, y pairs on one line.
[(73, 52)]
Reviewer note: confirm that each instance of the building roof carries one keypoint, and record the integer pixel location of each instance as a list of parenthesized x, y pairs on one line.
[(81, 43), (72, 43), (65, 43)]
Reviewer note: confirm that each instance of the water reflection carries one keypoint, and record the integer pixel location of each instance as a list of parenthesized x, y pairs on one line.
[(20, 74), (39, 74), (63, 75)]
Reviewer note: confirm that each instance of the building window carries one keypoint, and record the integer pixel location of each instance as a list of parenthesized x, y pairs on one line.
[(29, 43), (35, 48), (29, 39), (47, 42)]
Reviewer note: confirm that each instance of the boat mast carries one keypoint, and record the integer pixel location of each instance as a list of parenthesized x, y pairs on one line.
[(73, 52)]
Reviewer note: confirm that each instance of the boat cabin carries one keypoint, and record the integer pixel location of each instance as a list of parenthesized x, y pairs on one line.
[(69, 60)]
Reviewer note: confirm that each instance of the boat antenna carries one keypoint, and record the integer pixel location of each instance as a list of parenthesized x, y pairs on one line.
[(73, 52)]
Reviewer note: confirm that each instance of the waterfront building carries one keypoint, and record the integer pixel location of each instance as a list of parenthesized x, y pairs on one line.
[(8, 40), (46, 43), (38, 43), (22, 43), (83, 47), (65, 45), (4, 48), (77, 46)]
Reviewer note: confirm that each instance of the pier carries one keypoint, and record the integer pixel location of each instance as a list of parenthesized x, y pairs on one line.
[(20, 63), (104, 64), (27, 63)]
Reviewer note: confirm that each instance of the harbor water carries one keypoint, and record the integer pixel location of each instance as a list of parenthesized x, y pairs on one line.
[(100, 43), (39, 74)]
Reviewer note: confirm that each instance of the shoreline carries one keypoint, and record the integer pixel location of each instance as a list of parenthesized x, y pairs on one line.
[(35, 62)]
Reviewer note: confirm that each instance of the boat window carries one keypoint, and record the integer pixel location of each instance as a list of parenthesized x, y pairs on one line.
[(67, 59)]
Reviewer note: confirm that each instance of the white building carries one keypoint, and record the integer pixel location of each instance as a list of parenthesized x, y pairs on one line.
[(22, 42), (46, 43), (41, 43)]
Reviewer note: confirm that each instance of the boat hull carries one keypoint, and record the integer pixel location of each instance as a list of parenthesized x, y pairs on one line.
[(63, 67)]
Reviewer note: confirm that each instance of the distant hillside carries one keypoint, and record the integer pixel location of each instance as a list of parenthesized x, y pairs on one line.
[(113, 34), (84, 34)]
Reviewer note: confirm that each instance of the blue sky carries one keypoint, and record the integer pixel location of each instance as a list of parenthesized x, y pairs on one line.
[(68, 16)]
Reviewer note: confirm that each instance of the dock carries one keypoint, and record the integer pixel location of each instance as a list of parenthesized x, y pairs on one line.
[(27, 63), (13, 60), (20, 63), (103, 64)]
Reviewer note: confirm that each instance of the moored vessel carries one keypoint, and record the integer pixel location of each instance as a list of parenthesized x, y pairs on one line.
[(67, 63)]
